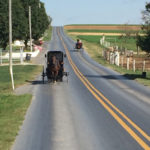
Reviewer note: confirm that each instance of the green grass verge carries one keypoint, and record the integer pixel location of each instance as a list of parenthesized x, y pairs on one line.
[(21, 74), (95, 51), (48, 34), (12, 111), (15, 61), (15, 48), (13, 107)]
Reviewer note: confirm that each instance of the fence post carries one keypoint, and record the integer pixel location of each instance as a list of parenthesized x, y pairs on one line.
[(122, 61), (143, 68), (111, 58), (117, 58), (137, 50), (103, 55), (134, 65), (128, 60), (1, 56)]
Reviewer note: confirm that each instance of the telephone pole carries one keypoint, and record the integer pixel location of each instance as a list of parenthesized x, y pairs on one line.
[(30, 27), (10, 44)]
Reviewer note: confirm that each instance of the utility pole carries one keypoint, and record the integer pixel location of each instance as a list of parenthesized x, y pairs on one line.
[(10, 44), (1, 59), (21, 54), (39, 5), (30, 27)]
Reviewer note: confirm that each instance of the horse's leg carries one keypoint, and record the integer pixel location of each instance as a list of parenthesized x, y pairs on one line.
[(56, 74), (53, 75)]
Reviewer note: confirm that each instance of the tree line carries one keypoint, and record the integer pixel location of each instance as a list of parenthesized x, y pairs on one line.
[(20, 20), (144, 41)]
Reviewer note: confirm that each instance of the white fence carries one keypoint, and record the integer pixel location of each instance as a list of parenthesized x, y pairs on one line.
[(112, 57), (17, 56)]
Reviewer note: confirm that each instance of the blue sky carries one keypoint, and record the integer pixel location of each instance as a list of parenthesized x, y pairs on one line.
[(66, 12)]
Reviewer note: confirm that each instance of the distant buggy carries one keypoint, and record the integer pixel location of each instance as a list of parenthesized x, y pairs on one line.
[(78, 44), (55, 66)]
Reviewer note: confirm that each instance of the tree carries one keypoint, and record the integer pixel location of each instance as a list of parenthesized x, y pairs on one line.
[(39, 18), (4, 31), (19, 22), (43, 21), (144, 41), (50, 20)]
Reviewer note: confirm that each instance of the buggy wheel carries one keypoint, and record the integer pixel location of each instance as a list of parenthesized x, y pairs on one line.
[(43, 79), (49, 80), (61, 79), (43, 75)]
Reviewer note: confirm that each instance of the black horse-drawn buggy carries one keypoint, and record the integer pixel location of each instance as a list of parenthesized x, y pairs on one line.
[(55, 66), (78, 45)]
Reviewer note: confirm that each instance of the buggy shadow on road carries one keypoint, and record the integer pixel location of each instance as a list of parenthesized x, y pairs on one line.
[(74, 50), (117, 77), (35, 82)]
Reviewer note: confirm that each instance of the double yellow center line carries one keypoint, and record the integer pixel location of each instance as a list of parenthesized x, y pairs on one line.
[(108, 105)]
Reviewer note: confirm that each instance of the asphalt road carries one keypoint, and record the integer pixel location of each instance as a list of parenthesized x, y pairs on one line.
[(98, 109)]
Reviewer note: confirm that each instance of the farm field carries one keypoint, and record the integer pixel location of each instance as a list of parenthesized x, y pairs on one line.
[(130, 43), (104, 27), (113, 33), (101, 25), (99, 31)]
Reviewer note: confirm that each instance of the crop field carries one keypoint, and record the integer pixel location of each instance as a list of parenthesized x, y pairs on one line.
[(129, 43), (93, 38), (113, 33), (104, 27), (99, 31), (101, 25)]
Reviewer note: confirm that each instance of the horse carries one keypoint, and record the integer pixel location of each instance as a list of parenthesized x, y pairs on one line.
[(54, 67)]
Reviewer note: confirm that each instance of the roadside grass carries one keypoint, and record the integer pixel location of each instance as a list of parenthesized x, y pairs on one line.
[(13, 107), (21, 74), (12, 111), (15, 61), (95, 52), (130, 74), (47, 34), (15, 48)]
